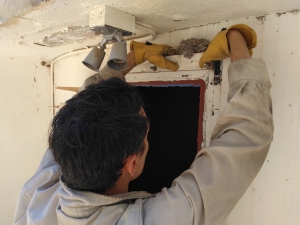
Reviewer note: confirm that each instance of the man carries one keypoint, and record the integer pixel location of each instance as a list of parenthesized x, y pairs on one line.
[(98, 143)]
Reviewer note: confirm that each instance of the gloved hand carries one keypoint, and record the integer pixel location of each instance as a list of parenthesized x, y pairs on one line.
[(153, 53), (218, 47)]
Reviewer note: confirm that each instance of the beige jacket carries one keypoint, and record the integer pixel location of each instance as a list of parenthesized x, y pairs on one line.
[(204, 194)]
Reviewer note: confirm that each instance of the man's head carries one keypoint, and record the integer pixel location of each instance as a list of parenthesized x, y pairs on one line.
[(96, 134)]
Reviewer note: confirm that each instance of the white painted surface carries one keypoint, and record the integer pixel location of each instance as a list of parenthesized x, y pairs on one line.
[(24, 119), (273, 197)]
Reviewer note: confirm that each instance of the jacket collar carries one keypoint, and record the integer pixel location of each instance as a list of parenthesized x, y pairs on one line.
[(83, 203)]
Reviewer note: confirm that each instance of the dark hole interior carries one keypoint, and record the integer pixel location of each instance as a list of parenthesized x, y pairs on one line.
[(173, 112)]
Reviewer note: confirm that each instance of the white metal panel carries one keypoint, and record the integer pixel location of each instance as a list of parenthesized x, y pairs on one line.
[(104, 15)]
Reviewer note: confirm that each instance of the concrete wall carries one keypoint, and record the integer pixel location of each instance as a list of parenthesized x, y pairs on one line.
[(273, 196)]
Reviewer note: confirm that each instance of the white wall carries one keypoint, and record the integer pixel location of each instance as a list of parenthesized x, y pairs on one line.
[(24, 119), (271, 199)]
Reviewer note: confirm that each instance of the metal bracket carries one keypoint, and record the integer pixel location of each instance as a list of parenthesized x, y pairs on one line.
[(115, 36), (216, 65), (108, 30)]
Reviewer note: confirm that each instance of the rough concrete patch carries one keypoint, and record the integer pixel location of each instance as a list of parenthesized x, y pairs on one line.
[(10, 18), (40, 6), (72, 34), (34, 3), (15, 8)]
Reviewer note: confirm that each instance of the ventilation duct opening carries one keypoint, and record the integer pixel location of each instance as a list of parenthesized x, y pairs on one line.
[(175, 110)]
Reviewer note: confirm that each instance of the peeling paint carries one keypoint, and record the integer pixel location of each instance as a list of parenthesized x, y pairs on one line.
[(70, 35)]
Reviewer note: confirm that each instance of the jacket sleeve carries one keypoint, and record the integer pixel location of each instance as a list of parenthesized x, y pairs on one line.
[(47, 175), (207, 192), (104, 74)]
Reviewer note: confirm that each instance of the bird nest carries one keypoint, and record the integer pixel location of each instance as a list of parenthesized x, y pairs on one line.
[(189, 47)]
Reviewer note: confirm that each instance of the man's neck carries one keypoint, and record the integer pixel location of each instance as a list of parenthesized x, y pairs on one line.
[(120, 187)]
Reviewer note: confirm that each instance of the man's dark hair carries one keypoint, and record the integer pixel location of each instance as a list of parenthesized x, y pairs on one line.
[(94, 133)]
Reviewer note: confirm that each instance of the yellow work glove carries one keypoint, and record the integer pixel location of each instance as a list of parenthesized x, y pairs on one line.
[(218, 47), (153, 53)]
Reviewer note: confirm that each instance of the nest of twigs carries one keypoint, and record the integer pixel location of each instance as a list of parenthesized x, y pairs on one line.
[(189, 47)]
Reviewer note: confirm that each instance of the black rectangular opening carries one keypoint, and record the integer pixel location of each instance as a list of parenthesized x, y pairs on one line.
[(174, 111)]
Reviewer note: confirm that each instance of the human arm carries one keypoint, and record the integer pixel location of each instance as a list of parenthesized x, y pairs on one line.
[(131, 62), (222, 172), (238, 46), (139, 53)]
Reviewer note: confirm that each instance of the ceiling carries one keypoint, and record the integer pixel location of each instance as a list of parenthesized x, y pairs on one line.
[(27, 25)]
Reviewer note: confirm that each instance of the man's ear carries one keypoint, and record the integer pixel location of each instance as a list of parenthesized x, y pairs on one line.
[(131, 165)]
